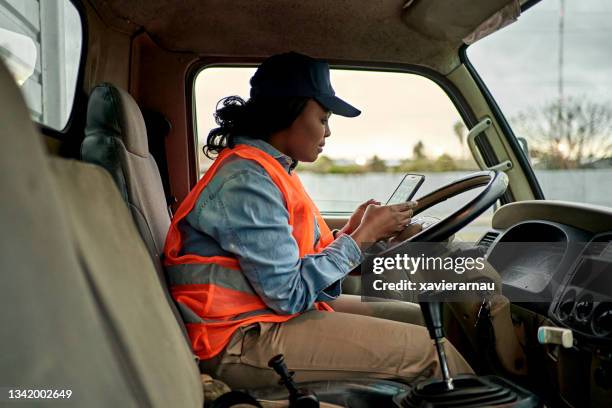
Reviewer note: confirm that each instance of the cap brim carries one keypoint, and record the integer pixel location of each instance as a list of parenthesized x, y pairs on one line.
[(338, 106)]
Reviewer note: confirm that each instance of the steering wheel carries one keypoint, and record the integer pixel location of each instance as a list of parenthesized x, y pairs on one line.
[(495, 182)]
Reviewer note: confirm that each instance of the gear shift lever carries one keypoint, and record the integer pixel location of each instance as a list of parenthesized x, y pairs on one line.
[(465, 390), (432, 312)]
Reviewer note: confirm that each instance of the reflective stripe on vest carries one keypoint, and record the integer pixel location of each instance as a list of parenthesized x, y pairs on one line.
[(215, 298)]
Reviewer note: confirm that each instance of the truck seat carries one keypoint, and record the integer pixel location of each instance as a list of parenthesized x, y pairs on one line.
[(116, 139), (82, 308)]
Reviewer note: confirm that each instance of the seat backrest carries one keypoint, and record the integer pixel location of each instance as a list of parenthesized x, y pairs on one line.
[(116, 139), (82, 308)]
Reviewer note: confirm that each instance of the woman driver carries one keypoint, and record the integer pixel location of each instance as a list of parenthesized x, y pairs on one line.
[(255, 269)]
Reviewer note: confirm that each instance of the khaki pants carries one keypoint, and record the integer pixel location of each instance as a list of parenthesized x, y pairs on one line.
[(330, 346)]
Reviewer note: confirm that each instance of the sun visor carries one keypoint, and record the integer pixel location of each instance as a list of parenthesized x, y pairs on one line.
[(507, 15), (449, 21)]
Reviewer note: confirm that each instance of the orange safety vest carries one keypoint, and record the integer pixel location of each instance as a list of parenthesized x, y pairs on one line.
[(213, 287)]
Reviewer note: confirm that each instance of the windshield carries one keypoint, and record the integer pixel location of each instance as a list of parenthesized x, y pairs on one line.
[(551, 75)]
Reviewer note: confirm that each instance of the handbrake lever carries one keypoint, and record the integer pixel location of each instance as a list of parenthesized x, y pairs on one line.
[(298, 397)]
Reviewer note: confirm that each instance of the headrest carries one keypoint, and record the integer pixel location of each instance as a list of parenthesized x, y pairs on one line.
[(113, 111)]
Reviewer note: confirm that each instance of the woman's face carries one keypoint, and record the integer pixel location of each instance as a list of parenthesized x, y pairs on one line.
[(305, 138)]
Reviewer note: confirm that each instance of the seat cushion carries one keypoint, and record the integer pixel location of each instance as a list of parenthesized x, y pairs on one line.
[(126, 285)]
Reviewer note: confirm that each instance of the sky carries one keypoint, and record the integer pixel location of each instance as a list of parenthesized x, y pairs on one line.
[(398, 111), (534, 40), (519, 64)]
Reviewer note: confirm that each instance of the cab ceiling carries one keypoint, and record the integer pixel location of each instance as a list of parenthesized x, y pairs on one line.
[(427, 32)]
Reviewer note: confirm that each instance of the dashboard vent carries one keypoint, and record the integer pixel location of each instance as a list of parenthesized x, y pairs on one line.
[(488, 239)]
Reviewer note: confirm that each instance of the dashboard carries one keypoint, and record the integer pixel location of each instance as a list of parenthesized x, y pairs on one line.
[(585, 302), (555, 258)]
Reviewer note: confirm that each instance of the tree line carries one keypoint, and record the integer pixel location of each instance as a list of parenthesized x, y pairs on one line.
[(572, 134)]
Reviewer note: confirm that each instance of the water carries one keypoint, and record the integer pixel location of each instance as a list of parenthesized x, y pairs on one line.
[(583, 186), (344, 192)]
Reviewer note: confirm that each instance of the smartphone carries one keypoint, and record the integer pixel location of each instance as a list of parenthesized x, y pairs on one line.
[(406, 189)]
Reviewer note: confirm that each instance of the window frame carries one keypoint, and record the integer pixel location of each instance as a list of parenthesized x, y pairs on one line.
[(451, 91), (507, 131), (76, 117)]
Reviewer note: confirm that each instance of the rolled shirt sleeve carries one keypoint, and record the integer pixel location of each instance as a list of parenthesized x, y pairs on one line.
[(248, 218)]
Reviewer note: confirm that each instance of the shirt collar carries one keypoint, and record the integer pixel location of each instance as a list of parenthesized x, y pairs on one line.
[(287, 162)]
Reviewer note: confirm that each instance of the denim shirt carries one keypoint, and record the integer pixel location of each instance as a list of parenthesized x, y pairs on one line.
[(242, 213)]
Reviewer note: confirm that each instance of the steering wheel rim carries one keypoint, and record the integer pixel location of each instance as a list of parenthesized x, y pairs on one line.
[(495, 182)]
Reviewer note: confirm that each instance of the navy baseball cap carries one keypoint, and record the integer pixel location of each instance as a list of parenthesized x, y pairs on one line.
[(294, 74)]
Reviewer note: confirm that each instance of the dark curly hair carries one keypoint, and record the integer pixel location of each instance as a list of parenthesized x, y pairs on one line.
[(257, 118)]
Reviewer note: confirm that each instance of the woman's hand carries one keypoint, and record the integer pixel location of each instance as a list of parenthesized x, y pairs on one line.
[(356, 217), (410, 231), (381, 222)]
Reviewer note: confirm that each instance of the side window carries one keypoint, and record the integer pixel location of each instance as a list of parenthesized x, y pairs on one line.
[(408, 125), (40, 42)]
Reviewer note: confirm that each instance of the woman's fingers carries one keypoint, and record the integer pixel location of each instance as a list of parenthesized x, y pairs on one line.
[(370, 201), (406, 219), (403, 219), (403, 215), (385, 221), (402, 207)]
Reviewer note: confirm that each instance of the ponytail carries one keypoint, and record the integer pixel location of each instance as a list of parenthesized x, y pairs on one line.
[(255, 118)]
